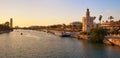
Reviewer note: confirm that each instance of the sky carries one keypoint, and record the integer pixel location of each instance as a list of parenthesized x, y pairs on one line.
[(49, 12)]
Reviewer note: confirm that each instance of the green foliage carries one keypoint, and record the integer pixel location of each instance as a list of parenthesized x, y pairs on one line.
[(97, 35), (111, 17)]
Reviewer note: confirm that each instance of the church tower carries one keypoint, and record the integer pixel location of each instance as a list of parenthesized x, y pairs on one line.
[(87, 22)]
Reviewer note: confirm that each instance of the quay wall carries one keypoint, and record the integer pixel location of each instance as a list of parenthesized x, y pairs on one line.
[(84, 36), (115, 41)]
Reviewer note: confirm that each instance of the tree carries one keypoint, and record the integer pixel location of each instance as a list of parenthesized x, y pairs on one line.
[(5, 28), (111, 17), (97, 35), (100, 18)]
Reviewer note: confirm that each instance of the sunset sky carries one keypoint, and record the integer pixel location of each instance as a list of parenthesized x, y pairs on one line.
[(48, 12)]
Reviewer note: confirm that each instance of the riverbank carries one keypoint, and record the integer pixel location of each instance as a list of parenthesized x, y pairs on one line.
[(108, 40), (60, 33), (1, 32), (72, 34), (112, 41)]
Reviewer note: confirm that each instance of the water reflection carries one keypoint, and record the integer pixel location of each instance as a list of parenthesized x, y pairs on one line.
[(34, 44)]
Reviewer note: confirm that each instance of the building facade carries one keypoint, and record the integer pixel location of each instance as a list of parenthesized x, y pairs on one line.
[(88, 22), (76, 23), (111, 25)]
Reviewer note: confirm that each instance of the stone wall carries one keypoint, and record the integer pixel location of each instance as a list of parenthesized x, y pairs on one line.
[(84, 36), (115, 41)]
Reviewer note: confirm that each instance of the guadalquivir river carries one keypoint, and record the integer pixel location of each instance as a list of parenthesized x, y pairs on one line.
[(36, 44)]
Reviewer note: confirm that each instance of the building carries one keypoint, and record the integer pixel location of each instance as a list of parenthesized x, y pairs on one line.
[(76, 23), (11, 22), (111, 25), (87, 22)]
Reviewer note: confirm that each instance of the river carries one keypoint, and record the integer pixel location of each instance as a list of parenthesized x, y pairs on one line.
[(37, 44)]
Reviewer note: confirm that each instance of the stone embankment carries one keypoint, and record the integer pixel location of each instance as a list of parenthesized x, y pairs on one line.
[(1, 32), (115, 41), (112, 41)]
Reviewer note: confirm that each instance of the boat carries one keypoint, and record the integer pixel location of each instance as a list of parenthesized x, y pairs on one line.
[(21, 33), (63, 34)]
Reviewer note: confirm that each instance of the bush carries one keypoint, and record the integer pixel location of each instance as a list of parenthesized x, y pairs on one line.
[(97, 35)]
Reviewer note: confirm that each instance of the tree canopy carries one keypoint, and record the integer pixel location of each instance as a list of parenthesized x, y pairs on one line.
[(97, 35)]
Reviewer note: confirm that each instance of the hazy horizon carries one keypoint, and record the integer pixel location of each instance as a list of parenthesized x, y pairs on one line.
[(48, 12)]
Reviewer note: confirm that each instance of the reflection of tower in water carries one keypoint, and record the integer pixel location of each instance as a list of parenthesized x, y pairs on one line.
[(11, 22)]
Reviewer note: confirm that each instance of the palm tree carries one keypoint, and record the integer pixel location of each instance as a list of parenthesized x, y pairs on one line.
[(100, 18), (111, 17)]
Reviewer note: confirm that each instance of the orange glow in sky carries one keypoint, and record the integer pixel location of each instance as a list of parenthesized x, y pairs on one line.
[(48, 12)]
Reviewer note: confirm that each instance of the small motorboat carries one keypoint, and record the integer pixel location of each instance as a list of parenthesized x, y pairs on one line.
[(65, 34), (21, 33)]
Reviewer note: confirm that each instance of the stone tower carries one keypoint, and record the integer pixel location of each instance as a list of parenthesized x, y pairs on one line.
[(87, 22), (87, 13)]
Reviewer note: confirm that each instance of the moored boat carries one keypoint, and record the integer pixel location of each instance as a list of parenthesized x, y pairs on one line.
[(63, 34)]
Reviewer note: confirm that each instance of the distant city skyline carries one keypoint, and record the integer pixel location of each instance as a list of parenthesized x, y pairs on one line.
[(49, 12)]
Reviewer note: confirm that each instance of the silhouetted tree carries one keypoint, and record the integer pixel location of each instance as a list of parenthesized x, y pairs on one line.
[(100, 18), (5, 28), (97, 35), (111, 17)]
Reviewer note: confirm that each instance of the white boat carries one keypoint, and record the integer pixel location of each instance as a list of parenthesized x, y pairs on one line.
[(63, 34)]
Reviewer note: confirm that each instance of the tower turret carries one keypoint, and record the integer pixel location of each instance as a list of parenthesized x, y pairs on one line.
[(87, 13)]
